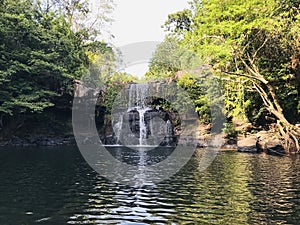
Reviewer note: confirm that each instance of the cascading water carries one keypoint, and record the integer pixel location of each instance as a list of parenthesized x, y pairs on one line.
[(137, 124), (143, 127), (168, 128), (141, 93), (169, 132), (118, 129), (137, 97)]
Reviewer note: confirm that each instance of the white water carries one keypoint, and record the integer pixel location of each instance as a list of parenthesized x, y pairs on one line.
[(147, 134), (143, 128), (137, 96), (118, 128), (168, 128)]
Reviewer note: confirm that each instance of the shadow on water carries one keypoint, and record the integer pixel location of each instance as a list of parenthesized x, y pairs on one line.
[(56, 186)]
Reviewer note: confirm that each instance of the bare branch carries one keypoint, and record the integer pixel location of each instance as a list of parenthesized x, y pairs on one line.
[(263, 44), (263, 95)]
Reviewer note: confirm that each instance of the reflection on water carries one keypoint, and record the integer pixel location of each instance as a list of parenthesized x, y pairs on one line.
[(56, 186)]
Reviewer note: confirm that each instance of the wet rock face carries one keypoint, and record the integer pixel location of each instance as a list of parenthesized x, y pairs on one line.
[(139, 116), (155, 122), (134, 123)]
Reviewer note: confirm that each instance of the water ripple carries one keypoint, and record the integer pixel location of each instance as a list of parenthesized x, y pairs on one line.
[(58, 187)]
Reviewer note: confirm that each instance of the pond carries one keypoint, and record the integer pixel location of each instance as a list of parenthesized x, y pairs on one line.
[(56, 186)]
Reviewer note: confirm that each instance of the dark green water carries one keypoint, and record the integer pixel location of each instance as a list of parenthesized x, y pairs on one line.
[(56, 186)]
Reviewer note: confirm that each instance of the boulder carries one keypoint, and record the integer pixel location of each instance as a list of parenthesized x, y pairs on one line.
[(263, 141), (247, 144)]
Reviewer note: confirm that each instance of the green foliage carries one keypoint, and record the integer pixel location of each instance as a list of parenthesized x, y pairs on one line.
[(179, 22), (197, 94), (230, 131), (174, 61), (231, 35), (204, 91), (219, 27), (235, 99), (112, 87), (170, 57), (102, 64), (40, 56)]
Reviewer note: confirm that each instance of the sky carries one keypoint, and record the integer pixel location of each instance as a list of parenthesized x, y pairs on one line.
[(139, 21)]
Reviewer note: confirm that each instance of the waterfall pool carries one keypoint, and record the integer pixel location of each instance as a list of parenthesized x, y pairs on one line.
[(56, 186)]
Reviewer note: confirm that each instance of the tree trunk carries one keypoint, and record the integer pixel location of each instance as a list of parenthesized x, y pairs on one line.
[(290, 133)]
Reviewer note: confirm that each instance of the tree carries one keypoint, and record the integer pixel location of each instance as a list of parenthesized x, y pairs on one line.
[(179, 22), (40, 57), (253, 42), (88, 17), (171, 57)]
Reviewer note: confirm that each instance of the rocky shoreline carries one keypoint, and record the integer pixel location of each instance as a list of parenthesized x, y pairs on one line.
[(38, 141), (263, 141)]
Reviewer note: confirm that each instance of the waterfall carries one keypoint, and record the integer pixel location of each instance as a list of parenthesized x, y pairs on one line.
[(137, 97), (135, 123), (118, 129), (169, 132), (143, 127), (169, 129)]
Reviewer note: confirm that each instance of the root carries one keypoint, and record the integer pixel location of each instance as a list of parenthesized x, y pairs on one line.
[(291, 137)]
